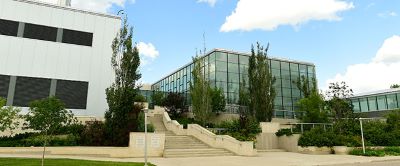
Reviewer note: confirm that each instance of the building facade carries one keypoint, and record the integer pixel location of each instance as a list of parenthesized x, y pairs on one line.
[(376, 104), (56, 50), (226, 70)]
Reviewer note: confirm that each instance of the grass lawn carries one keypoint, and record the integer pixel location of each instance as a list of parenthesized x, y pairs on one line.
[(61, 162)]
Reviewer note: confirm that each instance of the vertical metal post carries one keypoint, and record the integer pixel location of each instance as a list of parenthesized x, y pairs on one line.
[(301, 126), (145, 136), (362, 136), (291, 128)]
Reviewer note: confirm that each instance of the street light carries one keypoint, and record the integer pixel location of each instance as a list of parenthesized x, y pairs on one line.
[(146, 110)]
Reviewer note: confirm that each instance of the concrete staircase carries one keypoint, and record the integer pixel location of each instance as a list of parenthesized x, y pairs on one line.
[(183, 145)]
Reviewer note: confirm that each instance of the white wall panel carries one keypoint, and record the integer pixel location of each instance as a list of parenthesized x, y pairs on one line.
[(36, 58)]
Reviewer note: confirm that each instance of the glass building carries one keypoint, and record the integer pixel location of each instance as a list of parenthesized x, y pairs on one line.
[(375, 104), (226, 70)]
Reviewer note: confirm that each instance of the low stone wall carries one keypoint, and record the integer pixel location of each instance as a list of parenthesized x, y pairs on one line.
[(267, 141), (155, 148)]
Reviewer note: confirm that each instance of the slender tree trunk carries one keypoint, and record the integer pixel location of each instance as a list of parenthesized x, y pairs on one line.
[(44, 148)]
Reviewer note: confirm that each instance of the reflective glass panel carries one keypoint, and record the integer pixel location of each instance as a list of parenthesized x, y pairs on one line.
[(363, 105), (233, 58), (382, 103), (391, 100), (372, 103), (221, 66)]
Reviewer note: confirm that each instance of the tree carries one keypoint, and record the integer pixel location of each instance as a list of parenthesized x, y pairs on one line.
[(261, 85), (244, 102), (175, 104), (200, 93), (218, 101), (338, 102), (9, 116), (394, 86), (303, 84), (157, 98), (121, 117), (313, 108), (47, 115)]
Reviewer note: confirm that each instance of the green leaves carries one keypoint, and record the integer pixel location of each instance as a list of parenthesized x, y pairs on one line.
[(261, 81), (48, 115), (8, 116), (218, 101)]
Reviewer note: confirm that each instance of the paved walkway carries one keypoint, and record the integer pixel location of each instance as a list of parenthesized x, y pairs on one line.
[(270, 158)]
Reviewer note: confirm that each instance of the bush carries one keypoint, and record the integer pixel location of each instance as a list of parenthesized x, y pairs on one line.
[(319, 137), (282, 132), (234, 129), (35, 139), (150, 127), (93, 134), (368, 152)]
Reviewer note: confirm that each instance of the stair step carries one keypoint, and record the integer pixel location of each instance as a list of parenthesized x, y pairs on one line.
[(197, 155)]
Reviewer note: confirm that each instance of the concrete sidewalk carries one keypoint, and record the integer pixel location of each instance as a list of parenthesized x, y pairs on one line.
[(270, 158)]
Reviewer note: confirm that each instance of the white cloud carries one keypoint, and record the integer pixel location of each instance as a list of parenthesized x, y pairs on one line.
[(147, 52), (210, 2), (387, 14), (378, 74), (269, 14), (94, 5)]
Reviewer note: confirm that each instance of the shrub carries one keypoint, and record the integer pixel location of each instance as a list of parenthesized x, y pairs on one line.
[(282, 132), (150, 127), (234, 129), (319, 137), (93, 134), (368, 152)]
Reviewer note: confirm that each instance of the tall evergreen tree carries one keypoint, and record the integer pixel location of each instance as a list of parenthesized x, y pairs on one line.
[(121, 117), (261, 90), (200, 92)]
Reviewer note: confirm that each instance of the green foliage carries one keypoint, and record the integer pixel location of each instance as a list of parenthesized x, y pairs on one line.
[(218, 101), (368, 152), (35, 139), (140, 98), (312, 108), (175, 104), (48, 115), (157, 98), (379, 152), (261, 84), (121, 117), (320, 137), (234, 129), (282, 132), (393, 120), (394, 86), (185, 121), (303, 84), (200, 92), (339, 104), (93, 134), (8, 116), (150, 127)]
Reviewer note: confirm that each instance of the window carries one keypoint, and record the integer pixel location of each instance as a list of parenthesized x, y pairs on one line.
[(391, 100), (363, 105), (233, 77), (28, 89), (221, 56), (212, 57), (303, 69), (40, 32), (222, 76), (233, 67), (398, 99), (382, 103), (243, 69), (233, 87), (77, 37), (285, 66), (372, 103), (233, 58), (4, 82), (275, 64), (294, 67), (221, 66), (8, 28), (243, 59)]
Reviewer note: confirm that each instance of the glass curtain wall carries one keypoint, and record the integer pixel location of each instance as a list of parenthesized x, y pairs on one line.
[(227, 70), (379, 102)]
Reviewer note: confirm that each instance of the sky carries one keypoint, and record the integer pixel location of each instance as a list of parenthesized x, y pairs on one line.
[(356, 41)]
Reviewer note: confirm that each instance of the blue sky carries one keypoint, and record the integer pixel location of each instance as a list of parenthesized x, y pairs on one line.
[(346, 39)]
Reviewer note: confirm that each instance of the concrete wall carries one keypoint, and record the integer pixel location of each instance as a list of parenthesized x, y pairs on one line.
[(44, 59), (267, 141), (155, 148)]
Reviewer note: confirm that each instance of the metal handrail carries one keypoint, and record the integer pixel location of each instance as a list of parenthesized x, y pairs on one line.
[(313, 125)]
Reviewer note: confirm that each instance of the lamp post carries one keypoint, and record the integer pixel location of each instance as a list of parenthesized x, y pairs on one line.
[(362, 136), (146, 110)]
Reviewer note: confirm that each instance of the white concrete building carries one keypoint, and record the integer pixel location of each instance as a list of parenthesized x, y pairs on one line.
[(54, 49)]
